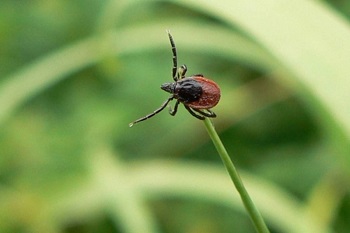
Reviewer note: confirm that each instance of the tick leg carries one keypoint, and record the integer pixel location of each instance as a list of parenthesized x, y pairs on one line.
[(153, 113), (182, 71), (207, 114), (193, 113), (173, 48), (174, 111)]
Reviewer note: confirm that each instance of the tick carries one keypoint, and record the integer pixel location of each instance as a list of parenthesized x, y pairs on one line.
[(197, 93)]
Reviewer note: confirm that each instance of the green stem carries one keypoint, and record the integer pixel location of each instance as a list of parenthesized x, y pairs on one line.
[(253, 212)]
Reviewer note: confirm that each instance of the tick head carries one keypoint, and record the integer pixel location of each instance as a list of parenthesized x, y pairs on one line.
[(168, 87)]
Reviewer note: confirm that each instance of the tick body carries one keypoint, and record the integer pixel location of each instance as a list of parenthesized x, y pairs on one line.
[(197, 93)]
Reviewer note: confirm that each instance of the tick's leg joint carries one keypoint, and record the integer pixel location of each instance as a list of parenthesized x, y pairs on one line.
[(207, 114), (182, 71), (174, 111), (190, 110)]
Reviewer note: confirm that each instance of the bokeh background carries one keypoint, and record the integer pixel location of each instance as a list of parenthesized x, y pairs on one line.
[(74, 74)]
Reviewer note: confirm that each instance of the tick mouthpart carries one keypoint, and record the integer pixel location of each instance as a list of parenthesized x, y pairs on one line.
[(168, 87)]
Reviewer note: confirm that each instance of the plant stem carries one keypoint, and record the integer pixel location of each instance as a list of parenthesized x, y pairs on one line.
[(253, 212)]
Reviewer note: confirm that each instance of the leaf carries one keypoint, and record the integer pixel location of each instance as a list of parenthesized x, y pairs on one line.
[(311, 41)]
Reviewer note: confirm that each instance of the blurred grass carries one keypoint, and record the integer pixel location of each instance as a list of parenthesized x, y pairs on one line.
[(75, 73)]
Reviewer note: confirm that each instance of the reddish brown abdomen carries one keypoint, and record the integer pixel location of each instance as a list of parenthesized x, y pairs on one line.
[(210, 94)]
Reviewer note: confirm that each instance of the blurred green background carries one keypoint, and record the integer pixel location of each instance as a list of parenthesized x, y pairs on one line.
[(74, 74)]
